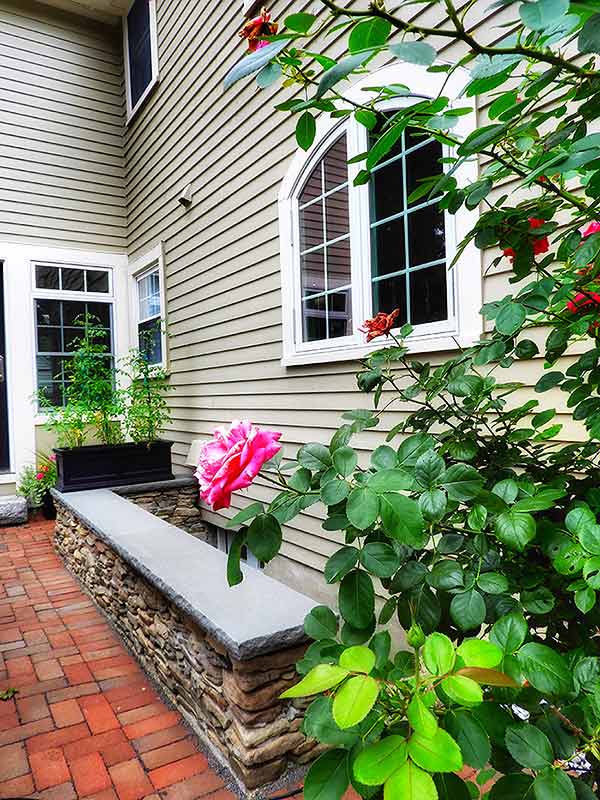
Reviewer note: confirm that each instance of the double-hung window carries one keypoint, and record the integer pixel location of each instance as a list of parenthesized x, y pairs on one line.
[(64, 298), (147, 287), (140, 45), (350, 251)]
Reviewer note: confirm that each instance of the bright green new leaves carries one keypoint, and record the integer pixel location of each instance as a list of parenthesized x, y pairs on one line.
[(358, 659), (515, 529), (509, 632), (421, 718), (438, 753), (354, 700), (461, 482), (379, 761), (410, 783), (357, 599), (362, 508), (463, 690), (553, 784), (479, 653), (529, 746), (438, 654), (319, 679), (544, 668), (329, 777), (402, 519)]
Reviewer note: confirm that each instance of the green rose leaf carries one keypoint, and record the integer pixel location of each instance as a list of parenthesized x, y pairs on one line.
[(512, 787), (362, 508), (254, 62), (345, 460), (462, 482), (433, 504), (479, 653), (585, 599), (329, 777), (251, 511), (402, 519), (462, 690), (542, 14), (354, 700), (379, 761), (468, 610), (509, 632), (410, 783), (369, 33), (515, 529), (357, 599), (321, 623), (529, 746), (492, 583), (438, 654), (300, 22), (334, 492), (471, 737), (340, 564), (544, 668), (391, 480), (379, 559), (553, 784), (548, 381), (439, 753), (319, 679), (446, 575), (319, 724), (421, 718), (340, 71), (234, 569), (314, 456), (358, 659), (429, 468), (451, 787), (510, 319), (414, 52), (589, 37), (384, 457), (264, 537)]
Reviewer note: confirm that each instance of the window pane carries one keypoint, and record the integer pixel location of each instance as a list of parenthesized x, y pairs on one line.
[(336, 214), (336, 164), (314, 319), (48, 312), (72, 280), (389, 255), (312, 272), (390, 294), (311, 226), (97, 281), (49, 340), (53, 391), (313, 187), (73, 310), (50, 368), (338, 264), (101, 312), (46, 277), (387, 190), (149, 296), (426, 236), (428, 299), (422, 163), (139, 45), (150, 340), (340, 314)]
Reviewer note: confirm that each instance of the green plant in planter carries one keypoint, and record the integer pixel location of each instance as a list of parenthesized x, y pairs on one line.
[(30, 487), (145, 409), (470, 525)]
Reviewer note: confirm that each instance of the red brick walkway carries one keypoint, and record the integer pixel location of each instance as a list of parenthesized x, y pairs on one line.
[(86, 721)]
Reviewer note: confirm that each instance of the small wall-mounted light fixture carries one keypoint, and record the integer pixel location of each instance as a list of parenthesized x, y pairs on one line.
[(185, 198)]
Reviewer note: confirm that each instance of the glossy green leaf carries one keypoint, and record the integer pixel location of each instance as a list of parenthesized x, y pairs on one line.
[(492, 583), (334, 492), (319, 679), (321, 623), (589, 37), (300, 22), (420, 717), (362, 507), (468, 610), (542, 14), (509, 632), (377, 762), (439, 654), (553, 784), (340, 564), (314, 456), (358, 659), (462, 482), (234, 557), (471, 737), (414, 52), (329, 777), (264, 537), (464, 691), (480, 653), (319, 724), (251, 511), (512, 787), (402, 519), (438, 753), (379, 559), (354, 700), (254, 62), (345, 460), (369, 33), (341, 70), (544, 668), (357, 599), (410, 783), (390, 480), (529, 746), (515, 529)]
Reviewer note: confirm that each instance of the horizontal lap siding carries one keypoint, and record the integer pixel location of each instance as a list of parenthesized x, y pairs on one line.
[(61, 129), (223, 280)]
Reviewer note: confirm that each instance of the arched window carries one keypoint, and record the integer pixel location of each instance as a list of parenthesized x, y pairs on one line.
[(349, 251)]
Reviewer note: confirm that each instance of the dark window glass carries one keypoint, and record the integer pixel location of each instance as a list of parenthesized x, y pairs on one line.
[(390, 254), (312, 272), (140, 49), (339, 314), (150, 340), (422, 163), (315, 319), (386, 188), (390, 293), (46, 277), (97, 281), (426, 236), (428, 301), (56, 337), (72, 280)]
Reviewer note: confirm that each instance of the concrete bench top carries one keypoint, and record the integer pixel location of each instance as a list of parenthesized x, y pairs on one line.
[(258, 616)]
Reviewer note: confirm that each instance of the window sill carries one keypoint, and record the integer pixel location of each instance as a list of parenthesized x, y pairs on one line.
[(355, 352), (149, 90), (7, 477)]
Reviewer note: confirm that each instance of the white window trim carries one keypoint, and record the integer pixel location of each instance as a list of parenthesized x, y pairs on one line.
[(149, 262), (464, 327), (132, 110)]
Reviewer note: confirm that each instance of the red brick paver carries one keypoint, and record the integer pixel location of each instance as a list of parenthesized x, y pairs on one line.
[(86, 722)]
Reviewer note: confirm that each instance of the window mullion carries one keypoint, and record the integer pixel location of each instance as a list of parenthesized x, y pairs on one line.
[(405, 224)]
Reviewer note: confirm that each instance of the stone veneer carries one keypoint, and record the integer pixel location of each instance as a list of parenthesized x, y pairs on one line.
[(175, 501), (228, 694)]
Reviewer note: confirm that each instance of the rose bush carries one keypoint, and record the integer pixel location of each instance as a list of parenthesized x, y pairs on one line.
[(471, 524)]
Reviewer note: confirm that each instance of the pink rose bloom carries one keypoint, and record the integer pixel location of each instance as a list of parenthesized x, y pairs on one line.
[(232, 459), (52, 457), (40, 476), (593, 227)]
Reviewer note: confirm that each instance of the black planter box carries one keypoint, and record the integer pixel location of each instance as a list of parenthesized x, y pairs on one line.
[(104, 465)]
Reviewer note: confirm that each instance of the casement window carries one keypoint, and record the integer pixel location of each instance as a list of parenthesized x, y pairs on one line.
[(148, 310), (140, 46), (350, 251), (64, 297)]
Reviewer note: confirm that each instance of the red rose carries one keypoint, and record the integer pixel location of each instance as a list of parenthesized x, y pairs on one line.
[(380, 325), (540, 244), (582, 300), (256, 29)]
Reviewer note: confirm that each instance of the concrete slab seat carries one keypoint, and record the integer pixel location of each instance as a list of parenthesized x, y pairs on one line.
[(221, 655)]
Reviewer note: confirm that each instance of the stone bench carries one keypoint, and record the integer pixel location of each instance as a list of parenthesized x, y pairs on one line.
[(222, 656)]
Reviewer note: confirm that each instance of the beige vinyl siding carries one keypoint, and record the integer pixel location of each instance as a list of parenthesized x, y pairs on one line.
[(223, 280), (61, 129)]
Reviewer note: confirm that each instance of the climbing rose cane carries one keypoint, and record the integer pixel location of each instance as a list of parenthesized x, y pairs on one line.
[(380, 325), (256, 28), (232, 459)]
